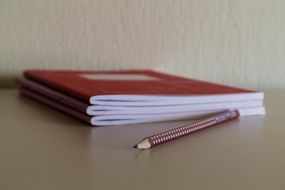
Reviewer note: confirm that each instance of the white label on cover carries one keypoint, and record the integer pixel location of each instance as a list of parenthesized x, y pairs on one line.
[(103, 76)]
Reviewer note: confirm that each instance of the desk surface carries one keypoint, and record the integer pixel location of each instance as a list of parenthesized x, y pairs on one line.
[(45, 149)]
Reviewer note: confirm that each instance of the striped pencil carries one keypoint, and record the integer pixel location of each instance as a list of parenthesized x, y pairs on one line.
[(176, 133)]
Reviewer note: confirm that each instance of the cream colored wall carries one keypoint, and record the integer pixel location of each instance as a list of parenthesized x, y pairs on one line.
[(239, 42)]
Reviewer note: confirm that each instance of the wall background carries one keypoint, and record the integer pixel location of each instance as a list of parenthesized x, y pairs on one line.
[(238, 42)]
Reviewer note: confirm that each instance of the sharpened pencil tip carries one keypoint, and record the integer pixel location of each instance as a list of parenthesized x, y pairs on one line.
[(136, 146)]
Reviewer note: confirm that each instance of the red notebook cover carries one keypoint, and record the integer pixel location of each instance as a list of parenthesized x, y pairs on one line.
[(85, 84), (56, 105)]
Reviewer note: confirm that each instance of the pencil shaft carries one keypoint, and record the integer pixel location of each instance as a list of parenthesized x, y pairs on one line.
[(192, 127)]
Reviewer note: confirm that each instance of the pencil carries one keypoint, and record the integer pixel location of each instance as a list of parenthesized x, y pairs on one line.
[(176, 133)]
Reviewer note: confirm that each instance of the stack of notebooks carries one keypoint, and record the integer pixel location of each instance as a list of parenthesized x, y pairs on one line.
[(134, 96)]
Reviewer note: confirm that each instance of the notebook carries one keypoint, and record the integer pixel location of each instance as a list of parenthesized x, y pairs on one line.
[(120, 97)]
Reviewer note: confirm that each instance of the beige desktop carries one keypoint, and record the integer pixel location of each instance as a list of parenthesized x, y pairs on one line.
[(41, 148)]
